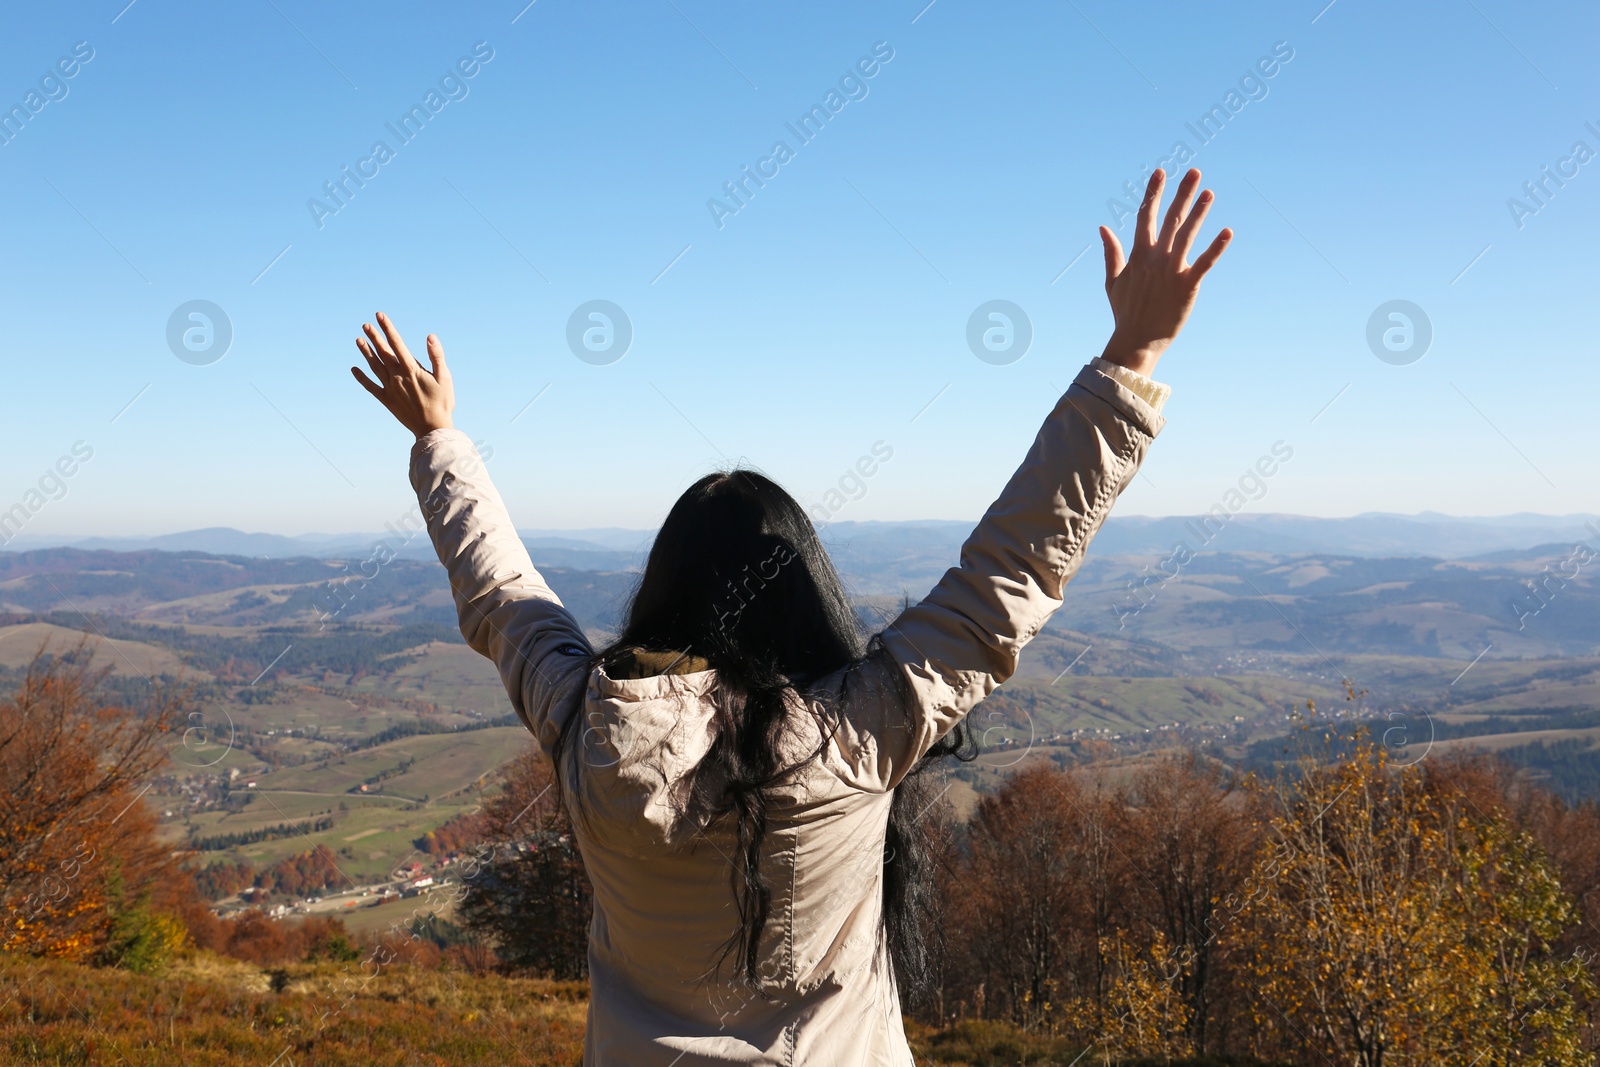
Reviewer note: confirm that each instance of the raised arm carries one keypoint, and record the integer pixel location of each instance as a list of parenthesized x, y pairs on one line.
[(954, 647), (506, 610)]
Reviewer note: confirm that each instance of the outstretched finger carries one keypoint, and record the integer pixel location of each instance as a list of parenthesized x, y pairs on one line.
[(370, 386), (1209, 257), (1114, 257), (1145, 228), (1180, 204), (376, 349), (373, 360), (1191, 226), (397, 344)]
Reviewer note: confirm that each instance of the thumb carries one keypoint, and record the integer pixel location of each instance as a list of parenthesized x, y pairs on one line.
[(1114, 257), (436, 357)]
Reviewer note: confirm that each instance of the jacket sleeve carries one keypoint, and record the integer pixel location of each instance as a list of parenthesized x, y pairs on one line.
[(959, 643), (506, 610)]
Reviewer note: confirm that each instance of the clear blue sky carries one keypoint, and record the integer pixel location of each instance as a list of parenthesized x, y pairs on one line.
[(823, 317)]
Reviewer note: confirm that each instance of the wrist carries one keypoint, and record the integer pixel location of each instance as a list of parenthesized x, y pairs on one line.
[(1139, 358)]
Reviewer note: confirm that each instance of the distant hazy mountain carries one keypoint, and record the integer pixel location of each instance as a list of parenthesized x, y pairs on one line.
[(221, 540), (887, 557), (1532, 603), (891, 557), (598, 549), (612, 537), (1374, 534)]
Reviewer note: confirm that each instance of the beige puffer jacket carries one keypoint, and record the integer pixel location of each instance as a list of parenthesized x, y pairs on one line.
[(663, 902)]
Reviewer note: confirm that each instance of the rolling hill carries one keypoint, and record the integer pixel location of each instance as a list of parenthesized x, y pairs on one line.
[(346, 696)]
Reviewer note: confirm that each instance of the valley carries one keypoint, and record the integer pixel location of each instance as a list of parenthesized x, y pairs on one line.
[(323, 750)]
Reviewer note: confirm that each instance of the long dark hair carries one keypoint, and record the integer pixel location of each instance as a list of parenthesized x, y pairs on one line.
[(738, 577)]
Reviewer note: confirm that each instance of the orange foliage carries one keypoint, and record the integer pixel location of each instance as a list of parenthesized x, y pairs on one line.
[(525, 888), (302, 873), (457, 835), (75, 841)]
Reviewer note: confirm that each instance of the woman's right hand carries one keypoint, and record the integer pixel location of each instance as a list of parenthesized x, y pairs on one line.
[(1153, 290), (420, 400)]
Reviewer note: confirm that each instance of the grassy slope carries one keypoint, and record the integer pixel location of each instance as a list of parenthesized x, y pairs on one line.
[(19, 644), (443, 763), (209, 1012)]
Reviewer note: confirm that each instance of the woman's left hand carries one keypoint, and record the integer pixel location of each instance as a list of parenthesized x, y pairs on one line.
[(421, 400), (1152, 290)]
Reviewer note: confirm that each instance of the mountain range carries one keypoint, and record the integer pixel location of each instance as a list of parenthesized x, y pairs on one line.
[(1368, 535), (892, 557)]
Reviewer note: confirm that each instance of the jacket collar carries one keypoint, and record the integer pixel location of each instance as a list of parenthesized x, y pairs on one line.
[(642, 674), (644, 663)]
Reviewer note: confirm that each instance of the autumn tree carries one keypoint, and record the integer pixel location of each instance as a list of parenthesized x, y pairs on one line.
[(256, 937), (223, 878), (1142, 1010), (455, 835), (79, 863), (1188, 836), (1389, 919), (303, 873), (1039, 888), (936, 907), (525, 889)]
